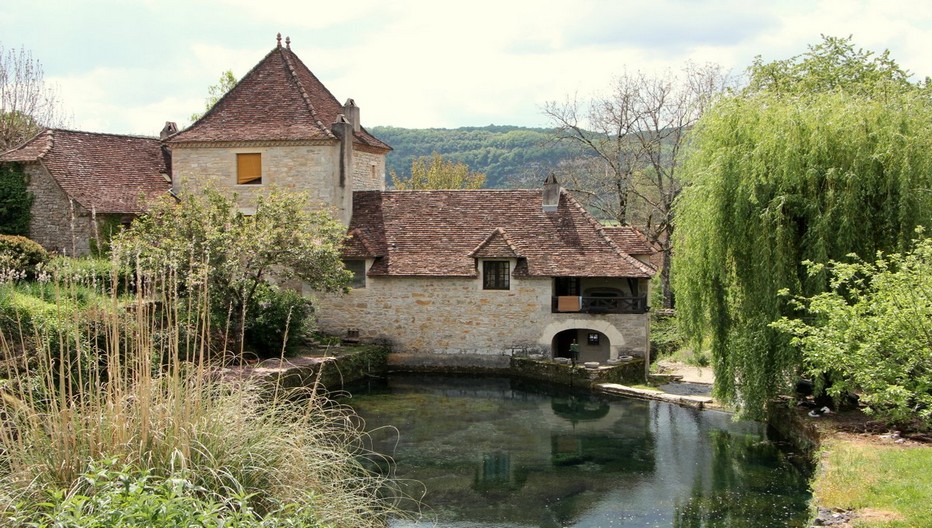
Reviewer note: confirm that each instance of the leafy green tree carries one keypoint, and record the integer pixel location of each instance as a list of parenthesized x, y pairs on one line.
[(27, 105), (15, 200), (780, 177), (871, 332), (215, 92), (205, 240), (434, 172)]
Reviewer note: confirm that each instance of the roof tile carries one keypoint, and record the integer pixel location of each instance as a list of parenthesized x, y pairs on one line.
[(109, 173), (441, 233)]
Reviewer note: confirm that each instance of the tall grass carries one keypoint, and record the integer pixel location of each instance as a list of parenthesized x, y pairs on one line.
[(131, 380)]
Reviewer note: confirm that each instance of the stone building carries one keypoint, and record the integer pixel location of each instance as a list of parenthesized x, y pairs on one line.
[(484, 272), (85, 184), (490, 272), (280, 126)]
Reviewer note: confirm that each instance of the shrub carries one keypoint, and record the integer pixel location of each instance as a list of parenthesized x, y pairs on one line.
[(20, 253), (871, 334), (278, 319)]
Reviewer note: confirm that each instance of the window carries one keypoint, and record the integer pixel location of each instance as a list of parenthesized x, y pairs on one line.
[(358, 267), (249, 169), (495, 275), (593, 338)]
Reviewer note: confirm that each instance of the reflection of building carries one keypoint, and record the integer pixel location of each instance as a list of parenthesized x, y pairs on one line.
[(496, 473)]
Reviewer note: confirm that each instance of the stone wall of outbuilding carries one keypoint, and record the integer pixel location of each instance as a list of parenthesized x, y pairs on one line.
[(445, 315), (57, 223)]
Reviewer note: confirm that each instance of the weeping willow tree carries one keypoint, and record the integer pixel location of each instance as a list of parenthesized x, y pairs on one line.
[(779, 176)]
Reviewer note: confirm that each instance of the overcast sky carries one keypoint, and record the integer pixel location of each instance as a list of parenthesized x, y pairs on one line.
[(127, 66)]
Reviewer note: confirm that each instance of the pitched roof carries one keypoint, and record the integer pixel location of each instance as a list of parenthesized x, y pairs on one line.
[(441, 233), (106, 172), (278, 100), (631, 239)]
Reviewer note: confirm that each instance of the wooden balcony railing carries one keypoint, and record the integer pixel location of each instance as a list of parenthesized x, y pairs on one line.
[(598, 305)]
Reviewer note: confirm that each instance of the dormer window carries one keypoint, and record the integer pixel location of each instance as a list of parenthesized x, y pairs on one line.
[(249, 169), (496, 275)]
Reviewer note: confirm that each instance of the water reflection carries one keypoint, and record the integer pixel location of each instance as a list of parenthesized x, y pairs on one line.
[(492, 452)]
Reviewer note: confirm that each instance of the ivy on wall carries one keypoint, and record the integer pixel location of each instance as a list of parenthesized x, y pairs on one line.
[(15, 200)]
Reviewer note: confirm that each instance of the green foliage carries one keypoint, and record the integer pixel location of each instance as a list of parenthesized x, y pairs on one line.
[(206, 240), (505, 154), (434, 172), (87, 271), (833, 64), (19, 254), (215, 92), (871, 333), (15, 200), (776, 179), (110, 496), (278, 320), (187, 445)]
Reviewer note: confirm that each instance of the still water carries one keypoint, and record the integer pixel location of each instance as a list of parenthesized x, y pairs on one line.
[(495, 452)]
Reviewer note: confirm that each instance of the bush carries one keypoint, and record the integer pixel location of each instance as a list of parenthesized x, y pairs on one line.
[(870, 334), (96, 273), (275, 312), (109, 495), (21, 254)]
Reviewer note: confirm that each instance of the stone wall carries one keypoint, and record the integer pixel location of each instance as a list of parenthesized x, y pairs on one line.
[(456, 316), (314, 169), (368, 171), (56, 223), (311, 168)]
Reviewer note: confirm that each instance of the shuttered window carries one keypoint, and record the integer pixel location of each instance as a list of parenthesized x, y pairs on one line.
[(248, 169)]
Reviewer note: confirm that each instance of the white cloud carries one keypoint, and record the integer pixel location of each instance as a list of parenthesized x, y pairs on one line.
[(426, 63)]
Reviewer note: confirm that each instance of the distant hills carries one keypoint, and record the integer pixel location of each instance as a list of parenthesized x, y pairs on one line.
[(510, 156)]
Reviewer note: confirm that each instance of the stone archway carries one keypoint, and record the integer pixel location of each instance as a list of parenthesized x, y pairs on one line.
[(548, 336)]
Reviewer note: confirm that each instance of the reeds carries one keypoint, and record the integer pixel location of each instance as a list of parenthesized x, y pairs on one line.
[(130, 379)]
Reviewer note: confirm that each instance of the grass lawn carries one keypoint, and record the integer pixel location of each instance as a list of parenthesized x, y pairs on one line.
[(887, 484)]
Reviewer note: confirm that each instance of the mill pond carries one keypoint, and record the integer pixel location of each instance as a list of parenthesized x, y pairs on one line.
[(497, 452)]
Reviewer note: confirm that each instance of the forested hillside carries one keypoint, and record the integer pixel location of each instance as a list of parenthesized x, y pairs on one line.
[(508, 155)]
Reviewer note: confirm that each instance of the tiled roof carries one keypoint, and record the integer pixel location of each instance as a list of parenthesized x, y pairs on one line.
[(106, 172), (278, 100), (631, 239), (440, 233)]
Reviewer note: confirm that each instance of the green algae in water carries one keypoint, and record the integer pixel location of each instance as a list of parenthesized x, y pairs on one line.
[(495, 452)]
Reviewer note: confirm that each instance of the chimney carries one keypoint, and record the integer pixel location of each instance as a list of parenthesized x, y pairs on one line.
[(170, 128), (551, 198), (351, 111), (343, 186)]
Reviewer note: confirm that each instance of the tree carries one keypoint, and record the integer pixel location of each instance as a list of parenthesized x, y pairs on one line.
[(27, 105), (638, 134), (215, 92), (15, 200), (777, 178), (434, 172), (205, 240), (871, 332)]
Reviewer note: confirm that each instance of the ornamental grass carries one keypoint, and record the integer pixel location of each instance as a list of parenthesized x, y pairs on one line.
[(124, 376)]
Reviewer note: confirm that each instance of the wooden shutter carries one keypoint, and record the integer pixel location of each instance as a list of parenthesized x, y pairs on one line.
[(248, 169)]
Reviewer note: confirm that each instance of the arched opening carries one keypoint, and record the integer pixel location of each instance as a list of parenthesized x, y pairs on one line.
[(593, 345)]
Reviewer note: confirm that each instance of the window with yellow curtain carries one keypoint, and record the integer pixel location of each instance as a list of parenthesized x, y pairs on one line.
[(248, 169)]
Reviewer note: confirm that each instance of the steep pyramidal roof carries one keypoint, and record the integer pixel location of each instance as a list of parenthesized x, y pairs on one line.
[(109, 173), (441, 233), (278, 100)]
